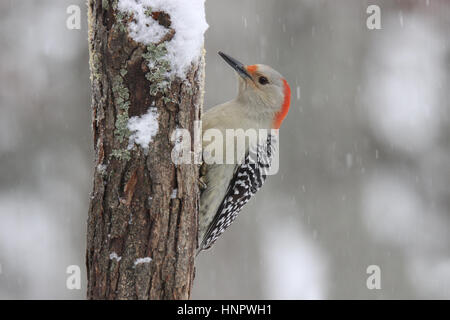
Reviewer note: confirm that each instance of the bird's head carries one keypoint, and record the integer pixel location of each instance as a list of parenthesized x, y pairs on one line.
[(262, 89)]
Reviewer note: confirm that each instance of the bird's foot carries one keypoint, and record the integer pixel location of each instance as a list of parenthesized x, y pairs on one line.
[(202, 184)]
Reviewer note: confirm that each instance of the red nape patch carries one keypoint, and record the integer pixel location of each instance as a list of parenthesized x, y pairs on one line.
[(280, 115), (252, 68)]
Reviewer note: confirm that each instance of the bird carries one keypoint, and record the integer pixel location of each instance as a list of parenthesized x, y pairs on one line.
[(262, 103)]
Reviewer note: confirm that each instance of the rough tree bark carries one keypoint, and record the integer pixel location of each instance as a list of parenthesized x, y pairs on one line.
[(134, 212)]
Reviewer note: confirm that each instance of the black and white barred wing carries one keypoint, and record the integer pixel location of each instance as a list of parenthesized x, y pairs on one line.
[(248, 178)]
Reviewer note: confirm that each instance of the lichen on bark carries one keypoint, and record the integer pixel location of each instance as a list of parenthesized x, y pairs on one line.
[(122, 101)]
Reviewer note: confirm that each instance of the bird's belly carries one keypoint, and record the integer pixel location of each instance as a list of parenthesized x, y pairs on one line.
[(212, 197)]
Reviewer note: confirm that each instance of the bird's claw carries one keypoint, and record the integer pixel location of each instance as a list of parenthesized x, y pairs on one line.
[(202, 184)]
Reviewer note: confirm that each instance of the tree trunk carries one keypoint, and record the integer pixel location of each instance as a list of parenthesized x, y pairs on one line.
[(142, 225)]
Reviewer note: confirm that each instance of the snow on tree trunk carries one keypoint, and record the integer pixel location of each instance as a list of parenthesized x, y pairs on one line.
[(147, 73)]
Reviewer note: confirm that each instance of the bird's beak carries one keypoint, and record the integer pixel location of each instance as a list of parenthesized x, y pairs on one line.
[(236, 65)]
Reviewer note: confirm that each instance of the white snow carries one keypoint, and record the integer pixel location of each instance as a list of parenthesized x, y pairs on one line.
[(102, 167), (174, 193), (142, 260), (349, 160), (143, 128), (114, 256), (187, 19), (400, 17)]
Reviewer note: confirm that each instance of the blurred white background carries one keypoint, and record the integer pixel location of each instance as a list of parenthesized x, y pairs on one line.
[(365, 151)]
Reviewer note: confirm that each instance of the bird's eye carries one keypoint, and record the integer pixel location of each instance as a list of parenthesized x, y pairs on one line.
[(263, 80)]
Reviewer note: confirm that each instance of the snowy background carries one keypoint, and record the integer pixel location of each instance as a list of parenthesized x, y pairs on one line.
[(365, 152)]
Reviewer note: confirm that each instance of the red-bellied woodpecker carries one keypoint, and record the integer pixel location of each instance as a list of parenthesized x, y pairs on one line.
[(262, 103)]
